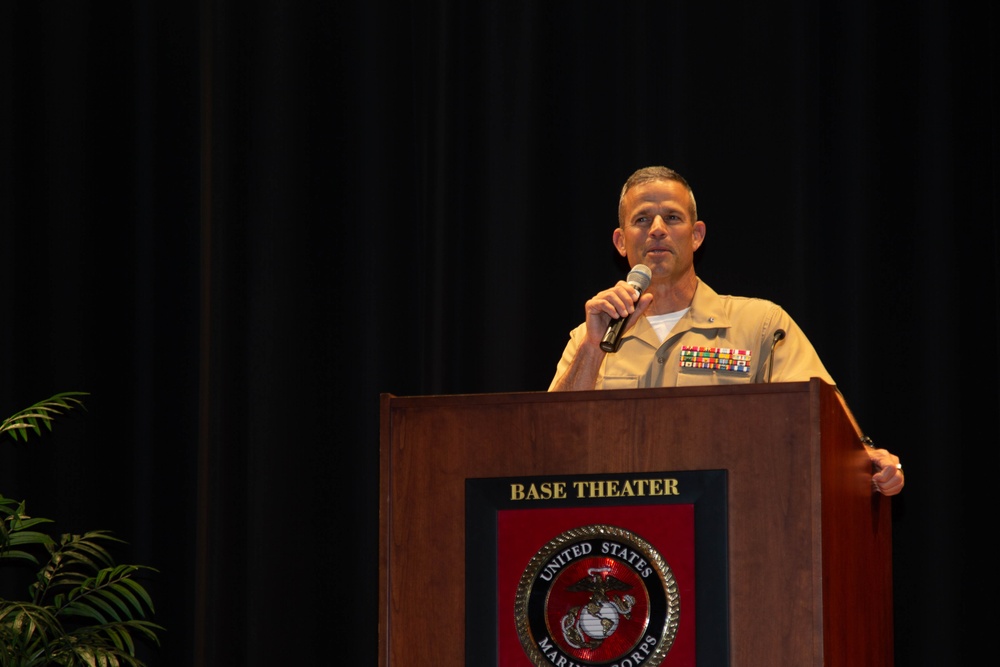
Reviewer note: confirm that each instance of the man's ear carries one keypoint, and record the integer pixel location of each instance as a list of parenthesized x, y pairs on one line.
[(619, 240), (699, 234)]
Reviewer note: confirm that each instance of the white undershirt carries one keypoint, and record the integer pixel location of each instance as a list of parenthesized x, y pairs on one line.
[(662, 324)]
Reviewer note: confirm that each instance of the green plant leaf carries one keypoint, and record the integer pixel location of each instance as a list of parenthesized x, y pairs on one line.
[(27, 629), (124, 593), (23, 523), (28, 537), (85, 609), (30, 420), (19, 555)]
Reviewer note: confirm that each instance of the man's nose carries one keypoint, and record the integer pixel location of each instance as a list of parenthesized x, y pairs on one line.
[(659, 226)]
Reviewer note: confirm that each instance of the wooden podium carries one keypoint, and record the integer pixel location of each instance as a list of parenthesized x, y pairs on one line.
[(809, 543)]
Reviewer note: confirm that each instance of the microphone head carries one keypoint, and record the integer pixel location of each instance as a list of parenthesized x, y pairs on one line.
[(640, 275)]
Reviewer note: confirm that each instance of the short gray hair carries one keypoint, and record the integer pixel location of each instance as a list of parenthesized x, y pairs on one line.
[(648, 175)]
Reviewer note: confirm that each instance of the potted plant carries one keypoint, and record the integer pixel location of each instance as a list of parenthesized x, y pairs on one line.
[(82, 608)]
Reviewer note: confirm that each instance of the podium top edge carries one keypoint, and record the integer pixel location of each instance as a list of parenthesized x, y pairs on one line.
[(608, 394)]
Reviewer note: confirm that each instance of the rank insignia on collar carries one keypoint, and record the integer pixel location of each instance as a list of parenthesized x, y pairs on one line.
[(716, 358)]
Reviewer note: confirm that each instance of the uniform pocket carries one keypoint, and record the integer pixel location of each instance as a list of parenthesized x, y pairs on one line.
[(692, 377), (619, 382)]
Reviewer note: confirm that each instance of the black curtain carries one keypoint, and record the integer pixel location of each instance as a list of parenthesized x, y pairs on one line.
[(236, 224)]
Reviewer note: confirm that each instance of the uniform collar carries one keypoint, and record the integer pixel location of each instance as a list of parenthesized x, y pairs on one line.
[(707, 311)]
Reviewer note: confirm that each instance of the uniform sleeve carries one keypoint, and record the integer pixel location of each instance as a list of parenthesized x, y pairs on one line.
[(794, 358), (569, 352)]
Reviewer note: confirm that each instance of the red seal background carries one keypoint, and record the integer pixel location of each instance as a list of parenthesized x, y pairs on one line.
[(669, 529), (560, 600)]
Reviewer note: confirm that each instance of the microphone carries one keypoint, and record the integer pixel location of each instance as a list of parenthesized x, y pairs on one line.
[(778, 335), (639, 278)]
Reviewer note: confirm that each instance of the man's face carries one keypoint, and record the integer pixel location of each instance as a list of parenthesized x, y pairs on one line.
[(658, 229)]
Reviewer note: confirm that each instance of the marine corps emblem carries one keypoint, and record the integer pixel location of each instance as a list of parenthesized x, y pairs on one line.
[(597, 595)]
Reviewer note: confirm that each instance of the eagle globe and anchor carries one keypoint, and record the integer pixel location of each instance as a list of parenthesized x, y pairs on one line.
[(589, 625), (581, 600)]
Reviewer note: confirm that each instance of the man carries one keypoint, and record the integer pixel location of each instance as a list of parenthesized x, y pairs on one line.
[(658, 227)]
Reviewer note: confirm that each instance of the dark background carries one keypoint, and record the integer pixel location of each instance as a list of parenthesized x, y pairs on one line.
[(236, 223)]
